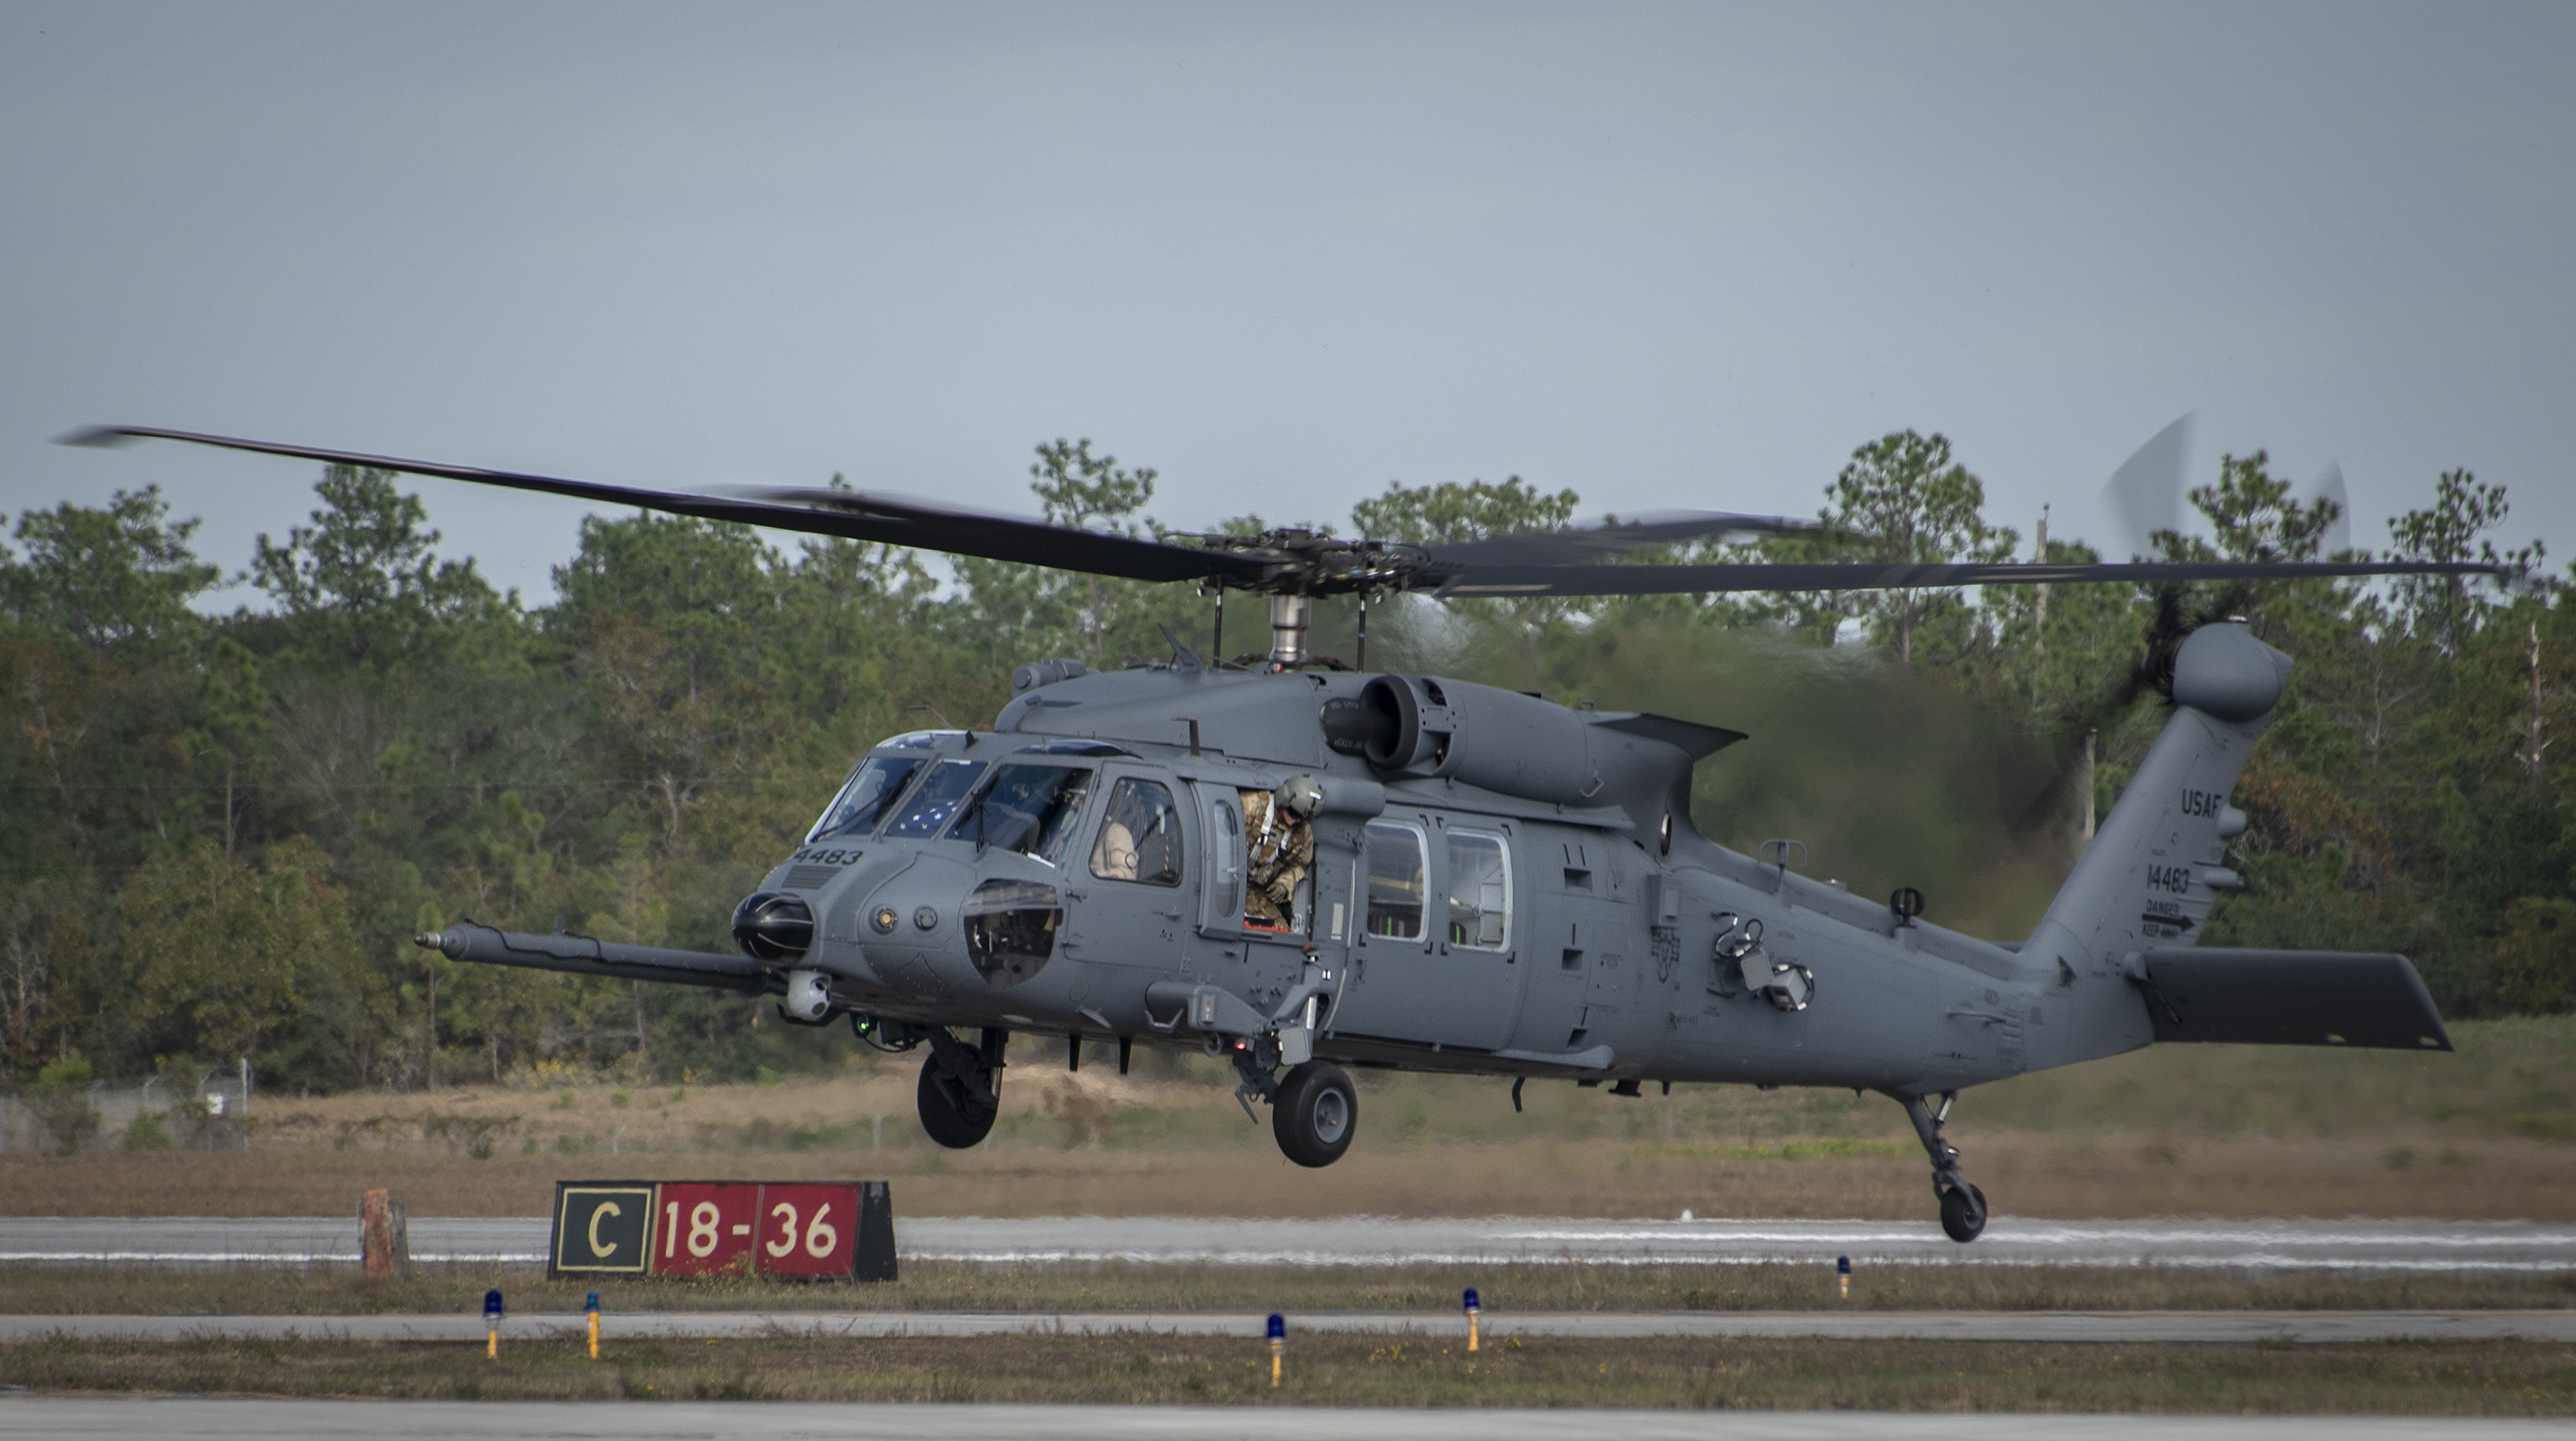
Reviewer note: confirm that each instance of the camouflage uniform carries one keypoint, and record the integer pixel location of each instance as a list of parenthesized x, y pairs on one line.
[(1276, 862)]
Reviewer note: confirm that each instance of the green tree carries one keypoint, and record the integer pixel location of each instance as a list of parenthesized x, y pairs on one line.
[(109, 576), (2446, 610), (1902, 499), (106, 575), (1448, 511), (222, 955), (1090, 492), (234, 721), (2536, 957), (670, 620), (2253, 517), (363, 581)]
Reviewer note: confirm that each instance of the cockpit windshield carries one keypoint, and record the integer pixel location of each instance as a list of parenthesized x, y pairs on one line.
[(1029, 809), (936, 798), (864, 801)]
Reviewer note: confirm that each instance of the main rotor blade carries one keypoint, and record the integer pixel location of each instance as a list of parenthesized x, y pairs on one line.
[(868, 518), (932, 525), (1663, 527), (1504, 580)]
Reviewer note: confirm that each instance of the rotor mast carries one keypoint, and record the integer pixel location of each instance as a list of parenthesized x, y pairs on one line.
[(1290, 617)]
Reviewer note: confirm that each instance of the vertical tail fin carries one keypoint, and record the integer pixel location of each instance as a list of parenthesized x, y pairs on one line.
[(2157, 864)]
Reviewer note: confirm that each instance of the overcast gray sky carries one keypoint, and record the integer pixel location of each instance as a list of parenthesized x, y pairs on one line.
[(1665, 255)]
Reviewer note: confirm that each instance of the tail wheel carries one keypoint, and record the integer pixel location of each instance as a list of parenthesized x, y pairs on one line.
[(953, 1114), (1315, 1113), (1963, 1213)]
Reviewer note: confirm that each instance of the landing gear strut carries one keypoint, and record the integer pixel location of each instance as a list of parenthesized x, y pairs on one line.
[(1963, 1206), (961, 1087)]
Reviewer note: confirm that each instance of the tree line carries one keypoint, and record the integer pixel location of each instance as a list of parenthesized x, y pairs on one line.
[(224, 828)]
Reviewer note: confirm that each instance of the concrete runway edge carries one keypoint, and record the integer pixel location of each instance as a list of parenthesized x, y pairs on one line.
[(129, 1418), (2132, 1327)]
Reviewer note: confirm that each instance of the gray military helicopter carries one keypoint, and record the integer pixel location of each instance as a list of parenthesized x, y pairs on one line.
[(1303, 867)]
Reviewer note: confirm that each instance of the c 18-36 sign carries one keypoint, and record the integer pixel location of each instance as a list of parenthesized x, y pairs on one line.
[(814, 1230)]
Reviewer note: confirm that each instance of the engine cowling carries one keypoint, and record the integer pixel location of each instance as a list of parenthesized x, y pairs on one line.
[(1416, 727)]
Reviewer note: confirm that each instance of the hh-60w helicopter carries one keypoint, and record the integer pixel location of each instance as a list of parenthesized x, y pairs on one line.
[(1301, 867)]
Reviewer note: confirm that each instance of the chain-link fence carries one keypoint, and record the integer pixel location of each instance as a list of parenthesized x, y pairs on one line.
[(162, 1114)]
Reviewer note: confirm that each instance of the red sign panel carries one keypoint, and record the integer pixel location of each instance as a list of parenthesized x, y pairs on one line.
[(807, 1230), (705, 1228)]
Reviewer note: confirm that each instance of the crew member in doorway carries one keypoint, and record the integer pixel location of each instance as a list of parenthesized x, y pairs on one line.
[(1281, 846)]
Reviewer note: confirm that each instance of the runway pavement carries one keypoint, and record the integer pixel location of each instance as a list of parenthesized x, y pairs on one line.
[(2352, 1246), (120, 1418), (2124, 1327)]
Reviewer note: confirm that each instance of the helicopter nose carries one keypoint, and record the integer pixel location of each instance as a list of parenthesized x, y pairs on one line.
[(773, 926)]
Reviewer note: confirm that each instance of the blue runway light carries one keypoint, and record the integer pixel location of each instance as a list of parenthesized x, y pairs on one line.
[(492, 1305), (1842, 1265), (591, 1305), (1472, 1303), (1278, 1327)]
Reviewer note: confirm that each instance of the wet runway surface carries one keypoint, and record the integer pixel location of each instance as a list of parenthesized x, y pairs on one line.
[(2385, 1247), (118, 1418), (2124, 1327)]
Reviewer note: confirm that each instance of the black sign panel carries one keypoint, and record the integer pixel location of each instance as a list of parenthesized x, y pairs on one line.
[(874, 1259), (602, 1228)]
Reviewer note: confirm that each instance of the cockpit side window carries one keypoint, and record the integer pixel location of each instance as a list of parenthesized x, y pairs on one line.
[(1140, 836), (936, 798), (869, 794), (1029, 809)]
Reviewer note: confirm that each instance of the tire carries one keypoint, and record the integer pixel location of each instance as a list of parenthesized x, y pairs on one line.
[(1315, 1113), (953, 1115), (1963, 1214)]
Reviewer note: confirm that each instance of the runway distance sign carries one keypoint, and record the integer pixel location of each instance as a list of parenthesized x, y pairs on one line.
[(839, 1230)]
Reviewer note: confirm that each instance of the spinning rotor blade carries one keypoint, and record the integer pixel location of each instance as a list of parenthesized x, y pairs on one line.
[(2145, 494), (1866, 575), (1286, 563), (852, 516), (2329, 486), (1617, 537)]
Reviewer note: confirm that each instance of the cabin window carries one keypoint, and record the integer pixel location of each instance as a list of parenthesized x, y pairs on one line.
[(868, 795), (1140, 836), (936, 798), (1028, 809), (1480, 891), (1396, 884)]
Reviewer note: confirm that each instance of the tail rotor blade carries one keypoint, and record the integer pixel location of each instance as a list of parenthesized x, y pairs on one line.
[(2329, 486), (2145, 494)]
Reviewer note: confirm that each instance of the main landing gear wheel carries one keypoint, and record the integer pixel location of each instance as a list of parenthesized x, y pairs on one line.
[(953, 1114), (1963, 1212), (1315, 1113)]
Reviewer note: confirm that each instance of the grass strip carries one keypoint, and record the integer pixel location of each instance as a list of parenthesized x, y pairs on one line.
[(1357, 1369), (268, 1290)]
